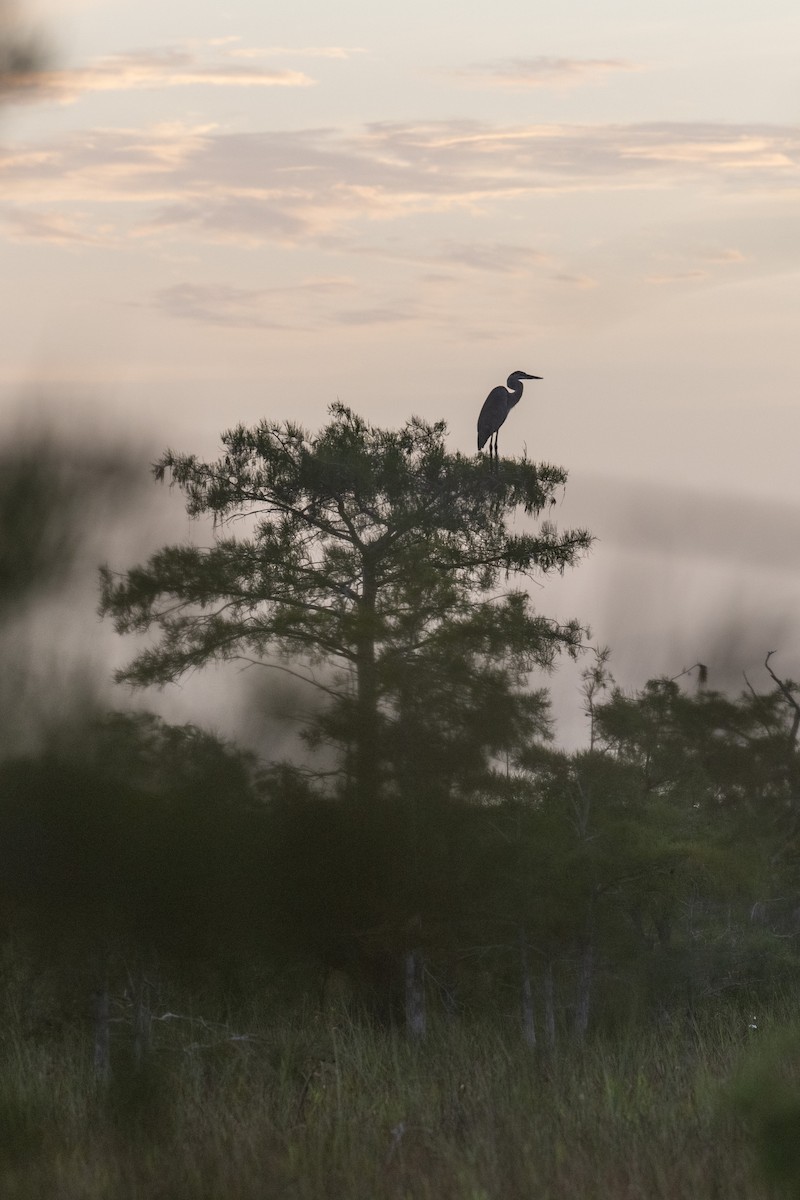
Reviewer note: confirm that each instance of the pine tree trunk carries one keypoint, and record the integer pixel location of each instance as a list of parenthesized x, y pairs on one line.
[(366, 734), (528, 1019), (101, 1032), (416, 1023), (142, 1021), (549, 1010), (585, 976)]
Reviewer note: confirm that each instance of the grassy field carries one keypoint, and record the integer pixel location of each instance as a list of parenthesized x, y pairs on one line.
[(314, 1108)]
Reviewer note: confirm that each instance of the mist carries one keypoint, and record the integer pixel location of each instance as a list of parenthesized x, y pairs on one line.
[(675, 577), (73, 496)]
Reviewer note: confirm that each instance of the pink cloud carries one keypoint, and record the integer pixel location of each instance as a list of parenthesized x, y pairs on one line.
[(175, 67), (541, 71)]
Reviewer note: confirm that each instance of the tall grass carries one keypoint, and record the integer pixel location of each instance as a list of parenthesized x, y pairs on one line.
[(309, 1108)]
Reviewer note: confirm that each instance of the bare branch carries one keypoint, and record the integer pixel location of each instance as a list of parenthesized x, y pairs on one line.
[(788, 696)]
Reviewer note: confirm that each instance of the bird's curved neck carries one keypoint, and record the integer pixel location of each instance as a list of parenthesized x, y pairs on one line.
[(515, 388)]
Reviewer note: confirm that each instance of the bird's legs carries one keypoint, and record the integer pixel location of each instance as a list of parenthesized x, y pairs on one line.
[(493, 452)]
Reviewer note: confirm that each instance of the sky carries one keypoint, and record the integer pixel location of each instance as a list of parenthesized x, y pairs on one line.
[(217, 213)]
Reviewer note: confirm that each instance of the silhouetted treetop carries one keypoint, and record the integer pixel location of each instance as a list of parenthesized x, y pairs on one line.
[(370, 489)]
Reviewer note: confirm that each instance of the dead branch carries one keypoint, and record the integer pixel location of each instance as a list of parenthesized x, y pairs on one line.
[(788, 696)]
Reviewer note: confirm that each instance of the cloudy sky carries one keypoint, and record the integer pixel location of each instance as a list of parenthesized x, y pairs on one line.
[(212, 213)]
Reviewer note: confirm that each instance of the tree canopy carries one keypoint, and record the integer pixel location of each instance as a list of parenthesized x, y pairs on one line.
[(368, 550)]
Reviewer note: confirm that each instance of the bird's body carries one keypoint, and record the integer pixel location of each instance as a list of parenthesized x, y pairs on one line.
[(497, 406)]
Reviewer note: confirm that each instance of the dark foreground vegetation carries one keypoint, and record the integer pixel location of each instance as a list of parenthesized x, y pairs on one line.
[(311, 1107), (439, 956)]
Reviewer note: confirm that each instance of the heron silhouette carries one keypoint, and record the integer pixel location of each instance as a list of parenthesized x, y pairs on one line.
[(496, 408)]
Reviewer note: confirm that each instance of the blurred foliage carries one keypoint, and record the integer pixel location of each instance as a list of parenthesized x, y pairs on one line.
[(131, 837), (52, 492), (39, 532), (163, 844), (22, 51), (767, 1093)]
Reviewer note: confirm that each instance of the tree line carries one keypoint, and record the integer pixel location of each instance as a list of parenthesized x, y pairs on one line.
[(435, 852)]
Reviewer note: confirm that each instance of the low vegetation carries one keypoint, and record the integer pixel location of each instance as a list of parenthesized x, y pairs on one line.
[(315, 1105)]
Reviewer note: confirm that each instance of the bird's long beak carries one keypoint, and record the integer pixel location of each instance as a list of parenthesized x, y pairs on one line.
[(532, 376)]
